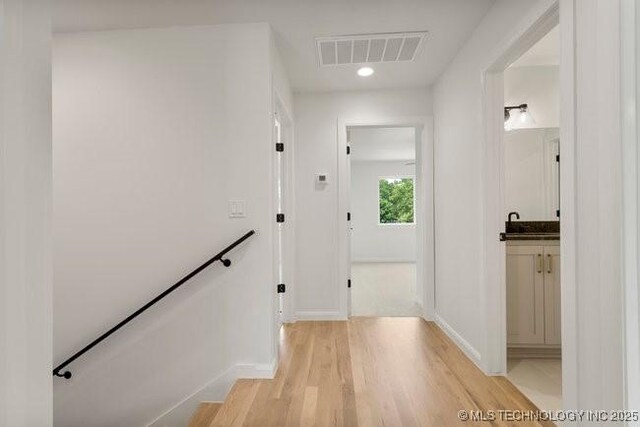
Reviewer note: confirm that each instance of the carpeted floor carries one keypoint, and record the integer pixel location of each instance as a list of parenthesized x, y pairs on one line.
[(383, 289)]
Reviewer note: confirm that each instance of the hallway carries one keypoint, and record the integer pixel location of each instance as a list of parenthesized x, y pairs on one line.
[(398, 168), (367, 372)]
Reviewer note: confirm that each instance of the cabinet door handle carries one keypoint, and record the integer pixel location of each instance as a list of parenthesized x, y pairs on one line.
[(539, 263), (549, 263)]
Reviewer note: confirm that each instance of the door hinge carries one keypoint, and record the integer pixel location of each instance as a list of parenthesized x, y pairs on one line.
[(279, 146), (281, 288), (348, 216), (280, 217), (558, 158), (349, 283), (558, 213), (348, 149)]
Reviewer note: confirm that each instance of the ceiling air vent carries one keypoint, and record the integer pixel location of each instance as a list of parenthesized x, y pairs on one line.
[(369, 48)]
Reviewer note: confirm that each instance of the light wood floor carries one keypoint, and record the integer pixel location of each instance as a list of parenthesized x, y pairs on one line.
[(368, 372), (205, 414)]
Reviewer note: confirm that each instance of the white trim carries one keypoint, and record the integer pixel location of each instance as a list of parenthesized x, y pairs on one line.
[(215, 390), (320, 315), (493, 292), (470, 351), (568, 248), (288, 255), (631, 199), (532, 28), (256, 370), (382, 260), (424, 207), (592, 205)]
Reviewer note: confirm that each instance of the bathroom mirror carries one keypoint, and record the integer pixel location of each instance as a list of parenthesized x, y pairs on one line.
[(532, 174)]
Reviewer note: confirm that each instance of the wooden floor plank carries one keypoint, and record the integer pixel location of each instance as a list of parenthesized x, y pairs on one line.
[(369, 372), (205, 414), (236, 406)]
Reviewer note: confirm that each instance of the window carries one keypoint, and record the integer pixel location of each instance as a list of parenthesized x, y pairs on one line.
[(396, 200)]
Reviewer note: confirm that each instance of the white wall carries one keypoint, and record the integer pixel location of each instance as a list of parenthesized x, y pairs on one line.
[(458, 176), (382, 143), (538, 87), (370, 240), (531, 174), (596, 317), (631, 191), (25, 214), (154, 131), (317, 115), (530, 183), (592, 325), (280, 79)]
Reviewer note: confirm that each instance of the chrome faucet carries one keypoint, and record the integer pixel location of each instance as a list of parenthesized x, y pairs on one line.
[(514, 213)]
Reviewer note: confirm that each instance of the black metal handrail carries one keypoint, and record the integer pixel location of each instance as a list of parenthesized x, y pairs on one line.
[(219, 257)]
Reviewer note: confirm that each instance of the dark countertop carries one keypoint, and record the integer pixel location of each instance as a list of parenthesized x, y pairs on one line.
[(531, 230), (529, 236)]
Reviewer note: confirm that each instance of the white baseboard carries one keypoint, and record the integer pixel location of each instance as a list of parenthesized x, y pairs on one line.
[(382, 260), (262, 371), (319, 315), (214, 391), (463, 344), (426, 315)]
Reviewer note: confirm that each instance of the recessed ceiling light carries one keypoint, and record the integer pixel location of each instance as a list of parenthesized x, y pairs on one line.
[(365, 71)]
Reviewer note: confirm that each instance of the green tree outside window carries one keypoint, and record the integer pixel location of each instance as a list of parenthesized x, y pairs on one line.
[(396, 200)]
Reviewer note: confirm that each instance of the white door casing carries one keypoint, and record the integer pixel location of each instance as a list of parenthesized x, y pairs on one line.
[(424, 209)]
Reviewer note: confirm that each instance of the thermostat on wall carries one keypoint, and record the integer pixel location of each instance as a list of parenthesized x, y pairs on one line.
[(322, 178)]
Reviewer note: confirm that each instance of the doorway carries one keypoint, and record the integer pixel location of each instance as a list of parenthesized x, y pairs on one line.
[(531, 164), (386, 245), (527, 283), (383, 221)]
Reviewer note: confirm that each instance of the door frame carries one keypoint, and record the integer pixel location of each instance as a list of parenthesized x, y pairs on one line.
[(425, 247), (532, 29), (287, 257), (630, 37), (542, 18)]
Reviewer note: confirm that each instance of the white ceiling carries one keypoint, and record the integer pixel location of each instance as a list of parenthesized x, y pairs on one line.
[(545, 52), (297, 23), (382, 144)]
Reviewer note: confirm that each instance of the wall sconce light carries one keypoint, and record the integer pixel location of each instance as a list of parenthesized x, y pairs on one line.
[(517, 117)]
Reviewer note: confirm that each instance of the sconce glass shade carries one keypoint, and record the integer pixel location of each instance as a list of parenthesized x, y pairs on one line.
[(526, 120), (519, 119), (510, 123)]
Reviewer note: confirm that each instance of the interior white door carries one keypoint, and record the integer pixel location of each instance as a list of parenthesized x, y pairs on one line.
[(525, 295), (280, 216), (349, 226)]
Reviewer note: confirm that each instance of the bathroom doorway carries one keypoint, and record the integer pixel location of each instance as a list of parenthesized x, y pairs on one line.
[(531, 164)]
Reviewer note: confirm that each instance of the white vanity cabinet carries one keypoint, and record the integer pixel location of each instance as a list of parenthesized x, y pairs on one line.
[(552, 295), (533, 293)]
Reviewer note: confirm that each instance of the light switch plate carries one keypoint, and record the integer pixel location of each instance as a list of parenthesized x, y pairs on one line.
[(237, 208)]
